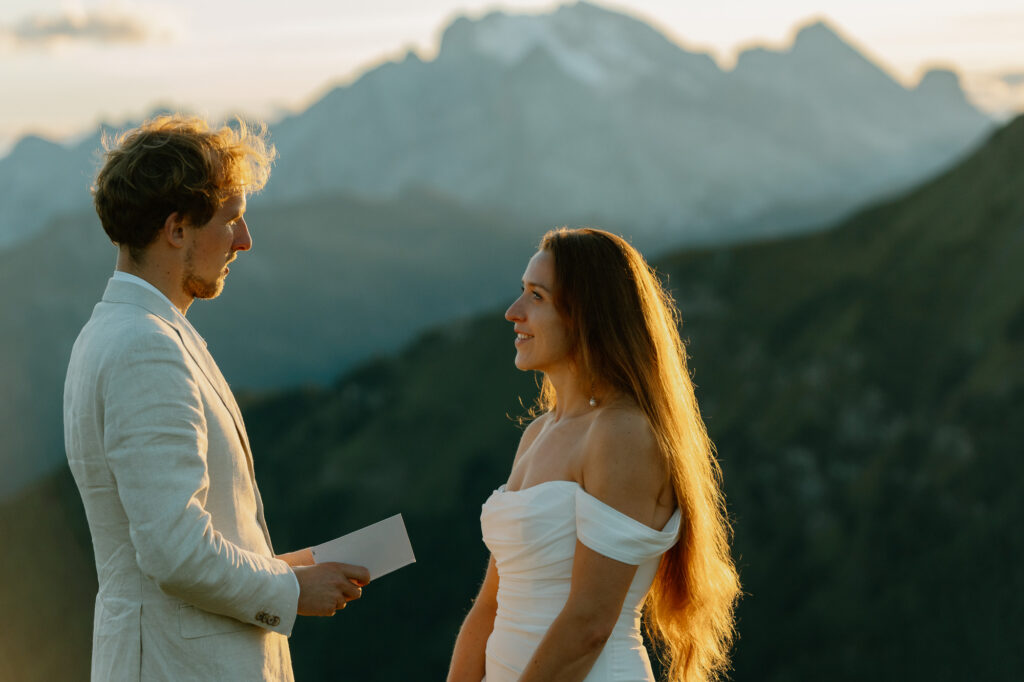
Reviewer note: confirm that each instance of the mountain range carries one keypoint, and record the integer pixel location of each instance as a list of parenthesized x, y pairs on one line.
[(585, 114), (409, 197), (859, 383)]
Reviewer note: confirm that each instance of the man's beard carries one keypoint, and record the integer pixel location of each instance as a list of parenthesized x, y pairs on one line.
[(197, 287)]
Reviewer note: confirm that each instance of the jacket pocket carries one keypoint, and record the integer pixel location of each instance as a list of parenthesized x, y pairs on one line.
[(194, 623)]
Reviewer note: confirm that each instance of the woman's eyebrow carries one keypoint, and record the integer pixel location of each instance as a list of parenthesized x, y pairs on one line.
[(536, 285)]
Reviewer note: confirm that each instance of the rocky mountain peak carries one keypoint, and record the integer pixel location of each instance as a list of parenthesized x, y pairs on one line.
[(593, 44), (942, 83), (819, 36)]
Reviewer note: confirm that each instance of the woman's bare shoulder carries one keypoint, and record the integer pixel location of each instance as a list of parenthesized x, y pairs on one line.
[(623, 464), (622, 428)]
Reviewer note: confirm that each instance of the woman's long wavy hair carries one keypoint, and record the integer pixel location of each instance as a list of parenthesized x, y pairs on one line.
[(624, 334)]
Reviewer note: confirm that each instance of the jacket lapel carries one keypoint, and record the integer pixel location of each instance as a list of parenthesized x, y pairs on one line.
[(133, 294)]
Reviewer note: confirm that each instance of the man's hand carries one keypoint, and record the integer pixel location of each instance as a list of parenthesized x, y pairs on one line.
[(325, 588)]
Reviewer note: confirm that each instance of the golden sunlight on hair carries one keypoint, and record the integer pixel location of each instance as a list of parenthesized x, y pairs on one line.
[(176, 163), (239, 157), (689, 611)]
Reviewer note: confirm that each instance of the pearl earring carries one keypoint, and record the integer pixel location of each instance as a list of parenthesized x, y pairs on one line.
[(593, 401)]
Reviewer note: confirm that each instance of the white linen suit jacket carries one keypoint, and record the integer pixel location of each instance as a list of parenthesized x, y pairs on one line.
[(189, 588)]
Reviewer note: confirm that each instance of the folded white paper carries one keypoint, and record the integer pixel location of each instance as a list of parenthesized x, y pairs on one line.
[(381, 547)]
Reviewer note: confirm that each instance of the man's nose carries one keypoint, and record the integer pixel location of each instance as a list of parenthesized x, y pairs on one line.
[(243, 240)]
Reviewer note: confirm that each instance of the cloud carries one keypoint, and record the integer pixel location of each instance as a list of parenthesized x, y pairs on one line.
[(104, 26)]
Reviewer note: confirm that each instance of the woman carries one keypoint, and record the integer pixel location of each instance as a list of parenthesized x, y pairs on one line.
[(612, 505)]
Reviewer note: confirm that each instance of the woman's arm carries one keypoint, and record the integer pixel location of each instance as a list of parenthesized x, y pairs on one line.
[(622, 468), (469, 655), (577, 636)]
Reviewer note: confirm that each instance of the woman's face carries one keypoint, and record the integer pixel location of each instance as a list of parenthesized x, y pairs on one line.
[(542, 337)]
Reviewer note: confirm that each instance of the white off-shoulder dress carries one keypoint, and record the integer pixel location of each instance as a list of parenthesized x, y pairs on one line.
[(532, 534)]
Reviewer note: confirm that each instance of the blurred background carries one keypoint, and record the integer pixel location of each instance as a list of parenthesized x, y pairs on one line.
[(834, 192)]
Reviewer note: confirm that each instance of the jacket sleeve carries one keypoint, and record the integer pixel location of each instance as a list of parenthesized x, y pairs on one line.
[(155, 438)]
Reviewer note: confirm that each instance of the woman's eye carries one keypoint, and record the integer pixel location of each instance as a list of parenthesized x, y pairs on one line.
[(533, 292)]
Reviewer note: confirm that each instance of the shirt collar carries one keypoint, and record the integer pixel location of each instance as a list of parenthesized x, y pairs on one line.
[(122, 276)]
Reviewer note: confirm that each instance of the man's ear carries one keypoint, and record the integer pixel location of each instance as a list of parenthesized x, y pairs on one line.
[(173, 230)]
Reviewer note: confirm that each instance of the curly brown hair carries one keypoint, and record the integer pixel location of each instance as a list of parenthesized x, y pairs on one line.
[(175, 164)]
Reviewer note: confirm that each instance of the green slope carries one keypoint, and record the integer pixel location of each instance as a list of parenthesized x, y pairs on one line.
[(861, 386), (49, 584)]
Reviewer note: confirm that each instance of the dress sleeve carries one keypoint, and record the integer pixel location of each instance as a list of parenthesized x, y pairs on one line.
[(608, 531)]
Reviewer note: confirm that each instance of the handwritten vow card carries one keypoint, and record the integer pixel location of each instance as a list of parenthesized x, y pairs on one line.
[(381, 547)]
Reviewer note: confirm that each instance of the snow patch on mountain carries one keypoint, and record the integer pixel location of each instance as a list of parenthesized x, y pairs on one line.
[(594, 45)]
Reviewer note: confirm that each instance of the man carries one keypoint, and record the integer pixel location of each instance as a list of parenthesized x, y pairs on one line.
[(189, 586)]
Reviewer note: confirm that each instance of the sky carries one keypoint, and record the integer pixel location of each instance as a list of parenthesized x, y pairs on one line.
[(67, 65)]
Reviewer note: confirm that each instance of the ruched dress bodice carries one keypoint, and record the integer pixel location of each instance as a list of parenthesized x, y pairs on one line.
[(532, 534)]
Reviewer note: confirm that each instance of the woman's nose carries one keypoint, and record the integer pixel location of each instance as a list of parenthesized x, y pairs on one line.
[(512, 314)]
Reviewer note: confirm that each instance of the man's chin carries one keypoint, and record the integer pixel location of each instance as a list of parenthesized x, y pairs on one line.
[(207, 295), (203, 289)]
